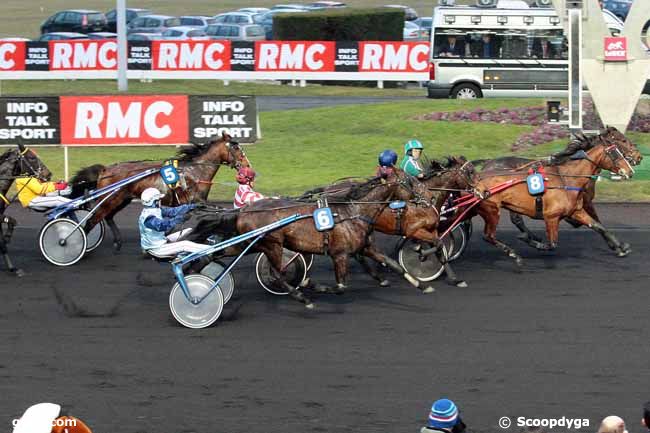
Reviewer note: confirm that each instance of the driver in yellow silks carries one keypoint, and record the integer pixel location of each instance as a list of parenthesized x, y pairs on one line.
[(41, 196)]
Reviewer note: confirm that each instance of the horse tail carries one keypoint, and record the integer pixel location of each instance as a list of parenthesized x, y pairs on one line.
[(85, 179)]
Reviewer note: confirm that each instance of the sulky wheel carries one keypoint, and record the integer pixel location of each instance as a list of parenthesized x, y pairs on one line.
[(203, 314), (459, 238), (227, 283), (62, 242), (309, 259), (96, 235), (296, 272), (424, 269)]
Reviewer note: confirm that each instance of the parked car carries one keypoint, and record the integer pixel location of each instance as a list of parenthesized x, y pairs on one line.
[(102, 35), (409, 13), (198, 21), (294, 6), (184, 32), (413, 32), (254, 10), (425, 23), (267, 20), (153, 24), (61, 36), (238, 18), (76, 21), (620, 8), (131, 14), (325, 5), (245, 32), (143, 36)]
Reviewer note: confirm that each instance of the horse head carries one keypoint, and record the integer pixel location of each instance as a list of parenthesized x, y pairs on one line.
[(606, 156), (224, 150), (29, 164), (611, 135)]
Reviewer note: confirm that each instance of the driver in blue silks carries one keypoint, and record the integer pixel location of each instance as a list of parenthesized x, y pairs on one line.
[(155, 220)]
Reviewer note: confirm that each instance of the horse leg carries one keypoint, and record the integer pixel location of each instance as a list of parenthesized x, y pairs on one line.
[(526, 235), (373, 253), (621, 249), (117, 235), (437, 249), (371, 271), (491, 217), (5, 255), (274, 255), (552, 233)]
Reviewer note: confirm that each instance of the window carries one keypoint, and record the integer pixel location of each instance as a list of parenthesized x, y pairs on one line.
[(501, 44), (258, 18), (172, 33), (138, 22), (234, 31), (72, 18), (220, 18), (172, 22), (241, 19), (254, 31), (152, 22), (60, 18), (112, 15), (186, 21), (195, 33), (93, 18), (222, 31)]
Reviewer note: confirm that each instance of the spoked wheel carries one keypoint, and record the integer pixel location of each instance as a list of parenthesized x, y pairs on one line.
[(95, 237), (203, 314), (309, 259), (62, 242), (296, 272), (411, 261), (227, 283), (459, 239)]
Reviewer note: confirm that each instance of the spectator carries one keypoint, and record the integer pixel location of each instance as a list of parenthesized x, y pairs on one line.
[(543, 49), (646, 415), (452, 48), (612, 424), (444, 417), (485, 48)]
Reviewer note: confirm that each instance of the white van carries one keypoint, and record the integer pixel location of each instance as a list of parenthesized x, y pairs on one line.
[(500, 48)]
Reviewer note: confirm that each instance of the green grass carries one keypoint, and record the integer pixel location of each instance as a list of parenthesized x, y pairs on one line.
[(24, 17), (193, 87)]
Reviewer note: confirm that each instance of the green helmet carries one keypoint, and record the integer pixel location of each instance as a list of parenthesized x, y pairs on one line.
[(412, 144)]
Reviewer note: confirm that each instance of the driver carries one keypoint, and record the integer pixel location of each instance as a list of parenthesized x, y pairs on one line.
[(48, 418), (41, 195), (155, 220), (387, 160), (411, 162), (245, 194)]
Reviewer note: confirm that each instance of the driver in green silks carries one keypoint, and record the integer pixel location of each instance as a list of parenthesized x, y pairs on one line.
[(411, 162)]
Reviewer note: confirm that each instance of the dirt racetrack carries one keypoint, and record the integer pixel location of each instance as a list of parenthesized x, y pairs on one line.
[(565, 337)]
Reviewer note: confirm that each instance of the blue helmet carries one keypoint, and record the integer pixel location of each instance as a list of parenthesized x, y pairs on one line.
[(388, 158)]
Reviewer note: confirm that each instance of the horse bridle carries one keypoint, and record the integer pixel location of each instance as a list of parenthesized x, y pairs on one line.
[(236, 160), (24, 163), (628, 159)]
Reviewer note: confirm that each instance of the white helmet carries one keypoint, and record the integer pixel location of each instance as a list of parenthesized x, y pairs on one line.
[(149, 196)]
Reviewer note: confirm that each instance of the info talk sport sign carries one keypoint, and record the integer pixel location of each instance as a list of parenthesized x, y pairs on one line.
[(212, 59), (125, 120)]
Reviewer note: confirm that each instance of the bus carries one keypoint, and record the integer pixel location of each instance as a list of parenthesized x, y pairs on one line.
[(500, 48)]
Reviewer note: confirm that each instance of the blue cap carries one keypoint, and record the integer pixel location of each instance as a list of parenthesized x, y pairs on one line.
[(444, 414)]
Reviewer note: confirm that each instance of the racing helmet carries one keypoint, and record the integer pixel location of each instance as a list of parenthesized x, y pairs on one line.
[(245, 175), (412, 144), (149, 197), (387, 158)]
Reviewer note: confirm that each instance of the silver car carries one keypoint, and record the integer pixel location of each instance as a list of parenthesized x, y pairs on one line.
[(197, 21), (238, 18), (246, 32), (184, 33), (153, 24)]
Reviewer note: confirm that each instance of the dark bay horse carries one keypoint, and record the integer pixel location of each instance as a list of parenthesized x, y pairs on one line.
[(610, 135), (14, 163), (566, 179), (198, 164)]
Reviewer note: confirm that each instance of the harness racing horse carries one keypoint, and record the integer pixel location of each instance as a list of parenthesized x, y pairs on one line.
[(565, 180), (610, 135), (14, 163), (197, 165)]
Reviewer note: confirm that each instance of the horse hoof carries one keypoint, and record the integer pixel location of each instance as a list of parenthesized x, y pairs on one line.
[(384, 283), (18, 272), (309, 305), (411, 279), (428, 290), (461, 284), (117, 246)]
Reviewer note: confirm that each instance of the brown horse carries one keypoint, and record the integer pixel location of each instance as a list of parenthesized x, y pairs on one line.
[(198, 164), (565, 180), (610, 135), (356, 212), (419, 220), (14, 163)]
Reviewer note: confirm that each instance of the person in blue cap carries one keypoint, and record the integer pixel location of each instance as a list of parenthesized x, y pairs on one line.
[(387, 160), (444, 417)]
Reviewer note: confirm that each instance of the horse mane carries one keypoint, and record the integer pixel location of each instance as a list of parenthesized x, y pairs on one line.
[(580, 142), (348, 189), (5, 156), (194, 150), (437, 167)]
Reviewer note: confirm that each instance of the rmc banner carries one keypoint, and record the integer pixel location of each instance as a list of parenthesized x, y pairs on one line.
[(122, 120), (213, 59)]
